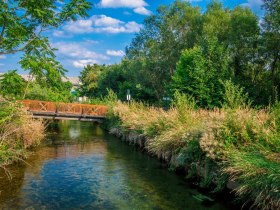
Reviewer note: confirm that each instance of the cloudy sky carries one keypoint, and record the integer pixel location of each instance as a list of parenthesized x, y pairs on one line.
[(102, 37)]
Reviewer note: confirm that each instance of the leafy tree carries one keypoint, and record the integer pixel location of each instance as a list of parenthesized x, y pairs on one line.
[(195, 52), (89, 79), (35, 91), (271, 26), (199, 73), (112, 78), (22, 27), (159, 44), (12, 84)]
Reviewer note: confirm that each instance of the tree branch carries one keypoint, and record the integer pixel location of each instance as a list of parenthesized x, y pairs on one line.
[(2, 32), (23, 47)]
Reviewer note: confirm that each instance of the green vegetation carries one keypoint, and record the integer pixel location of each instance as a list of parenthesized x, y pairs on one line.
[(182, 48), (18, 131), (221, 67), (22, 27), (234, 143), (12, 85)]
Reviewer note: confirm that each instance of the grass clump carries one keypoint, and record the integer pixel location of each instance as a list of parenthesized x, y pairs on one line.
[(18, 131), (234, 143)]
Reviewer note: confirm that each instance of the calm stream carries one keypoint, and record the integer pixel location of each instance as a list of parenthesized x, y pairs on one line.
[(82, 167)]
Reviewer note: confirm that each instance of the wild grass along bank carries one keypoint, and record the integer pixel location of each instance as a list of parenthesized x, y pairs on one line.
[(234, 143), (18, 132)]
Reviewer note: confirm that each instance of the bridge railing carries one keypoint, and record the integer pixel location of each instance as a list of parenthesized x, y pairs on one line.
[(64, 108)]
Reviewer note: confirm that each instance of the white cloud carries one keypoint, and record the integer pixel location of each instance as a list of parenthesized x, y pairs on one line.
[(90, 41), (1, 64), (122, 3), (2, 56), (83, 63), (142, 11), (77, 50), (103, 20), (253, 4), (138, 6), (130, 27), (79, 26), (117, 53), (62, 34), (101, 24)]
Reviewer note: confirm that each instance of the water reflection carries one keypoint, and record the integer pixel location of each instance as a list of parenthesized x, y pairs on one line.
[(81, 167)]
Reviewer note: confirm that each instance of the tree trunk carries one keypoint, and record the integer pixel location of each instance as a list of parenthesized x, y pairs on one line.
[(30, 77), (273, 79)]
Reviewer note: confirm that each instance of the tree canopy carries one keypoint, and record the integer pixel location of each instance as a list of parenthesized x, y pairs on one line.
[(181, 48), (22, 29)]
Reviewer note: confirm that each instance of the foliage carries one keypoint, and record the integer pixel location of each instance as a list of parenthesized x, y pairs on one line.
[(183, 48), (37, 92), (18, 131), (22, 27), (238, 144), (271, 26), (234, 96), (199, 73), (12, 85), (89, 78)]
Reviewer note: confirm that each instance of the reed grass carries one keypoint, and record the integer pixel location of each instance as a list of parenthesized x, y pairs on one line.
[(18, 132), (240, 142)]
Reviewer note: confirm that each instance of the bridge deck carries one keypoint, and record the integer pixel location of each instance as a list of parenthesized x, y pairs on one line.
[(69, 111)]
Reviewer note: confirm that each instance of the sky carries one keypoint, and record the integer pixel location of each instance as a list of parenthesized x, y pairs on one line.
[(102, 37)]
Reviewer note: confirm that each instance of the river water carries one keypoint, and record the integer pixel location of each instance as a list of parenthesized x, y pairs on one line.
[(82, 167)]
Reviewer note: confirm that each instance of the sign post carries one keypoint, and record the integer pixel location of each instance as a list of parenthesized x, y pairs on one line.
[(128, 96)]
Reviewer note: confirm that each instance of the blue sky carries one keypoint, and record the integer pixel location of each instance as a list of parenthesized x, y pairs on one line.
[(103, 36)]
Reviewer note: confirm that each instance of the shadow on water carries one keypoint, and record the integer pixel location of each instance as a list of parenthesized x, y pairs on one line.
[(82, 167)]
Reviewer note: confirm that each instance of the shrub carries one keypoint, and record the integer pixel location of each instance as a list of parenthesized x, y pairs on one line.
[(234, 143), (18, 131)]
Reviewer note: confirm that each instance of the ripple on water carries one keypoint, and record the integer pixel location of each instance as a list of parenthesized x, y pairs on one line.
[(85, 168)]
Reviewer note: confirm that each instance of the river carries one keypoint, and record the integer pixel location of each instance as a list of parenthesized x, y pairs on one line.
[(80, 166)]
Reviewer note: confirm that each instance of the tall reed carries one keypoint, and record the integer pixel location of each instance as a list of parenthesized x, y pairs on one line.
[(239, 143), (18, 131)]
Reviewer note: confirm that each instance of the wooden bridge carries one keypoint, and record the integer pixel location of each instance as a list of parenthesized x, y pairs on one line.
[(66, 111)]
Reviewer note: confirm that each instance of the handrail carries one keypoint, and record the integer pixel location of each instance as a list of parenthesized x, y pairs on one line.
[(64, 108)]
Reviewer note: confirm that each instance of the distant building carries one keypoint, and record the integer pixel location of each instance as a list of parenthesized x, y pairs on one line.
[(75, 81)]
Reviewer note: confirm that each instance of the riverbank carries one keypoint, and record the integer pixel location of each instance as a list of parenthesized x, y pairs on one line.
[(18, 132), (220, 147)]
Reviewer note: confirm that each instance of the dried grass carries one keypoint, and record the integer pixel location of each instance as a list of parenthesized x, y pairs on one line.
[(244, 142), (18, 131)]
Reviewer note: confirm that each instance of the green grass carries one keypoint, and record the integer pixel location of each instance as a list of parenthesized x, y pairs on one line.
[(239, 144), (18, 132)]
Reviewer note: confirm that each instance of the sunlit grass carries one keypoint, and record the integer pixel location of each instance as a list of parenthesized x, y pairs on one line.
[(242, 142), (18, 131)]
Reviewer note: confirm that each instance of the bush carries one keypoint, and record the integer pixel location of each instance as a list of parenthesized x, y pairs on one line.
[(18, 131), (37, 92), (234, 143), (235, 96)]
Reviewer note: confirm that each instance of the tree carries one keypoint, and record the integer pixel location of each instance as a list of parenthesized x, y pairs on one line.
[(271, 27), (22, 27), (199, 73), (89, 79), (12, 84), (160, 42)]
